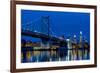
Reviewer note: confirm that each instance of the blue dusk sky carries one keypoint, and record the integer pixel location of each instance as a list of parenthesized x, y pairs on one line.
[(61, 23)]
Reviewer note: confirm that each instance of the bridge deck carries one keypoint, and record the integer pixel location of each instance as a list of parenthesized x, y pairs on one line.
[(42, 36)]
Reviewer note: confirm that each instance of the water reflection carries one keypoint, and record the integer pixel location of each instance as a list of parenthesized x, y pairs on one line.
[(47, 55)]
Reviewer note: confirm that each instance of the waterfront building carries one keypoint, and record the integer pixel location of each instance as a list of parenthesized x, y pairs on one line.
[(69, 46), (80, 47), (74, 48)]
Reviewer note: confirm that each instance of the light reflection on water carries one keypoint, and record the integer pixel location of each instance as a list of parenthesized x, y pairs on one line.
[(54, 55)]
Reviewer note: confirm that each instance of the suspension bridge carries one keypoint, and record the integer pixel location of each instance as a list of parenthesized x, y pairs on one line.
[(40, 28)]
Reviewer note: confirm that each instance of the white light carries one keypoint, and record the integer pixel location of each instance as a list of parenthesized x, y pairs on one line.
[(67, 39), (80, 32), (74, 36), (35, 31)]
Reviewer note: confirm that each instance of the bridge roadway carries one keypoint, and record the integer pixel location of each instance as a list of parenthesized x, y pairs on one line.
[(42, 36)]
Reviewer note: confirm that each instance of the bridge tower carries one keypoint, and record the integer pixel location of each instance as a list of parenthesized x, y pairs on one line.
[(45, 25), (45, 29)]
